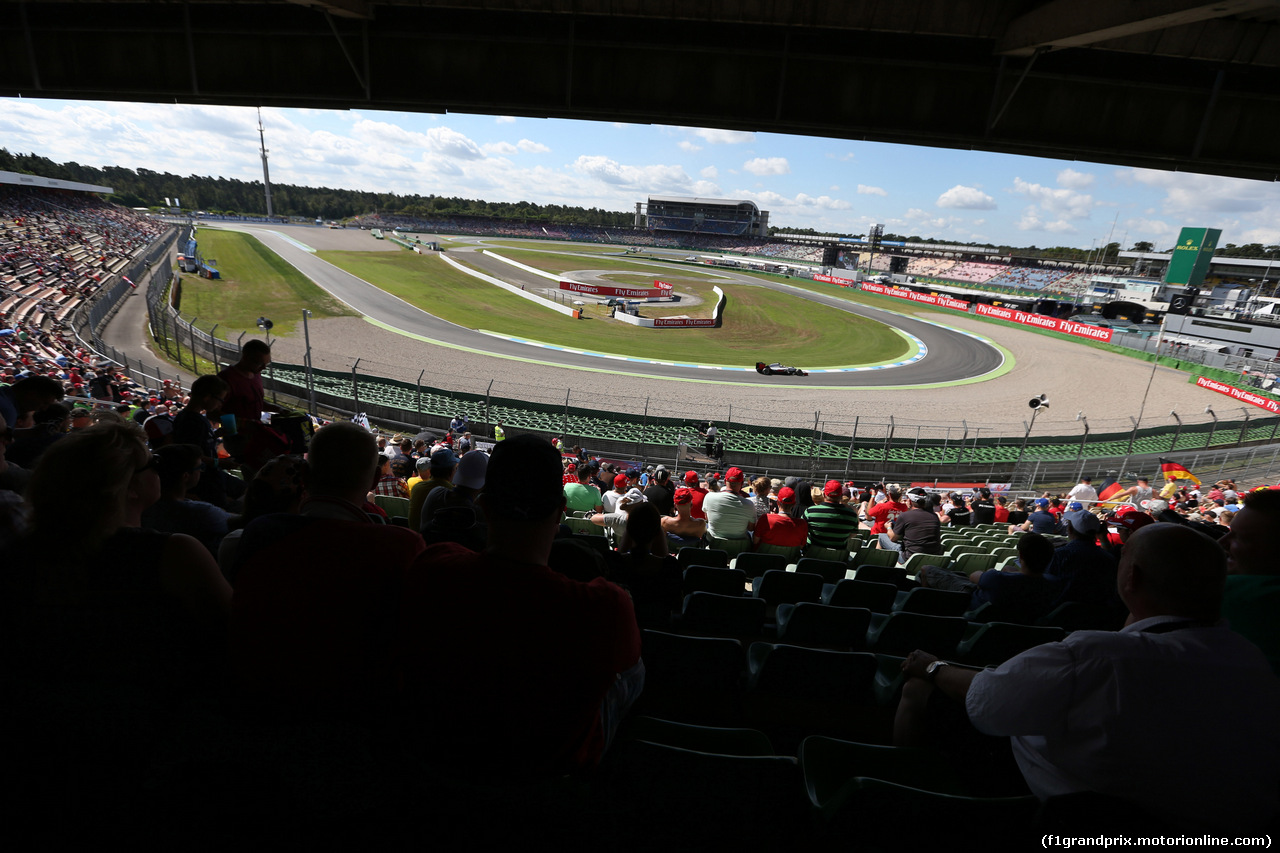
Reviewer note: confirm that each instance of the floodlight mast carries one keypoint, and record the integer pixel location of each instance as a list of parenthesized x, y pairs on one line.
[(266, 176)]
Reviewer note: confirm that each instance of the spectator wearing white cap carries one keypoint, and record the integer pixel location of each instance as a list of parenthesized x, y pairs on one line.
[(616, 519)]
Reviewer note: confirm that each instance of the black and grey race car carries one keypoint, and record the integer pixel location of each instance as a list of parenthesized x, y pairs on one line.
[(778, 367)]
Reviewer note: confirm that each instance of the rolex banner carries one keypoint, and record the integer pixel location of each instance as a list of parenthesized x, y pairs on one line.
[(1191, 256)]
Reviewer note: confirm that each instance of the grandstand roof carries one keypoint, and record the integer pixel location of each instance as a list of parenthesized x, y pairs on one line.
[(18, 179), (727, 202), (1184, 85), (1220, 261)]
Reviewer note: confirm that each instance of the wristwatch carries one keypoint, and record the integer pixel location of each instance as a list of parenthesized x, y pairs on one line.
[(932, 669)]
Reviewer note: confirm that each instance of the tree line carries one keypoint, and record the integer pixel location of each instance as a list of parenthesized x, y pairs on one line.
[(146, 188)]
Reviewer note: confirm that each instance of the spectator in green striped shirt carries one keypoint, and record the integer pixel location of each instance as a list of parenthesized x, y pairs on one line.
[(831, 522)]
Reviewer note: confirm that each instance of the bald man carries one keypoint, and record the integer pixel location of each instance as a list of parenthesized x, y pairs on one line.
[(1173, 715)]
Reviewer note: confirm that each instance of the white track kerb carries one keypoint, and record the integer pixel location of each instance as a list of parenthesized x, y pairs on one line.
[(523, 294)]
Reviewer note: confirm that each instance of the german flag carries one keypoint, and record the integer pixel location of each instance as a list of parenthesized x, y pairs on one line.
[(1107, 494), (1172, 471)]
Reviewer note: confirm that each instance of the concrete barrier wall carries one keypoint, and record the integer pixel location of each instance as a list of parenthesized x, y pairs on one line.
[(511, 288), (542, 273)]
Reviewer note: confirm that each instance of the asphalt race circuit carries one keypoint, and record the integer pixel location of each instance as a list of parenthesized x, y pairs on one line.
[(952, 356)]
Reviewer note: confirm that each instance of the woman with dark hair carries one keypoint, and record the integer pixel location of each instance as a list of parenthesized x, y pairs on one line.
[(277, 487), (643, 565), (180, 468), (108, 630), (804, 495), (102, 478), (1018, 514)]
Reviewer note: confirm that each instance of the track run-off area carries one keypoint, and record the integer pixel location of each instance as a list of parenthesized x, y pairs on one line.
[(937, 355)]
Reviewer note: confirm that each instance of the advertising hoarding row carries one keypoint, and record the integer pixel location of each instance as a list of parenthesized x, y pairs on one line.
[(927, 298), (1240, 394), (1043, 321)]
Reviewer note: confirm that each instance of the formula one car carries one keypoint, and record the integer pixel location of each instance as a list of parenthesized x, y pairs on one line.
[(777, 367)]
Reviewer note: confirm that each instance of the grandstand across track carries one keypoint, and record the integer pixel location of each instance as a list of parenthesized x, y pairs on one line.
[(953, 356)]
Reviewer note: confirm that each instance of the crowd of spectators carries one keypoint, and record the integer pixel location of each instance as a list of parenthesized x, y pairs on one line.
[(57, 248), (312, 598), (171, 649)]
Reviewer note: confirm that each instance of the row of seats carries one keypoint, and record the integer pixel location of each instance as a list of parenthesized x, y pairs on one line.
[(740, 438), (702, 787)]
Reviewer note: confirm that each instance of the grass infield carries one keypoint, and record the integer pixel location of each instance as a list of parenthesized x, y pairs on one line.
[(759, 324), (256, 282)]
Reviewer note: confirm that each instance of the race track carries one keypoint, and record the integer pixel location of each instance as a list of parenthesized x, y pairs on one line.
[(952, 356)]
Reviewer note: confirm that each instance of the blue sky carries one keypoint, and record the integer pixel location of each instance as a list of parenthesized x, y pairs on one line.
[(805, 182)]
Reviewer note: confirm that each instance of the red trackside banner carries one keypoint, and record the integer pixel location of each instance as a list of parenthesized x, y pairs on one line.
[(604, 290), (661, 285), (676, 322), (1042, 321), (927, 298), (1239, 394)]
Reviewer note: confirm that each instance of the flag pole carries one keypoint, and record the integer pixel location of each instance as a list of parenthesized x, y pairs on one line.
[(1143, 408)]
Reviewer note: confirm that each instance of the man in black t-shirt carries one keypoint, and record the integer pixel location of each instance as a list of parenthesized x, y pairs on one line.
[(918, 531), (959, 512), (661, 491), (984, 510)]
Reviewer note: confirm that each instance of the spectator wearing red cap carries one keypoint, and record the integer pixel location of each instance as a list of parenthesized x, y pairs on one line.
[(693, 484), (683, 529), (831, 522), (610, 498), (730, 514), (1126, 519), (786, 527)]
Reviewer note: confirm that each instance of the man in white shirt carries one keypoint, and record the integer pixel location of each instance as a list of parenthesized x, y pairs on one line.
[(730, 513), (1084, 492), (1173, 715)]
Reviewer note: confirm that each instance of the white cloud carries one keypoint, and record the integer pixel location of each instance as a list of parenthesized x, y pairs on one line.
[(710, 173), (706, 189), (502, 149), (528, 146), (835, 188), (863, 189), (845, 157), (655, 178), (686, 145), (966, 198), (1065, 203), (1071, 179), (1031, 220), (772, 201), (768, 166), (505, 119), (450, 143), (1192, 194), (716, 136)]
